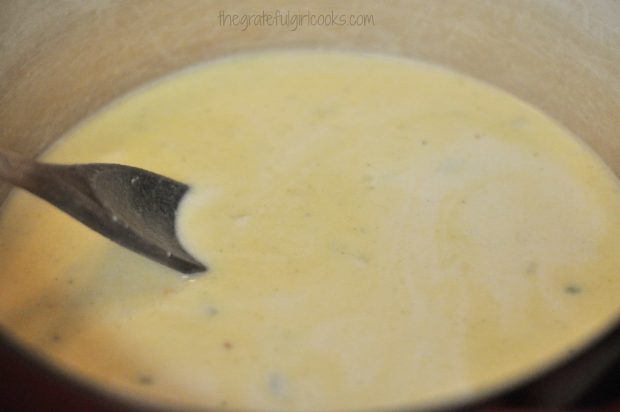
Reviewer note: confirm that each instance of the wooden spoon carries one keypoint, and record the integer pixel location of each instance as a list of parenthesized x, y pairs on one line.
[(132, 207)]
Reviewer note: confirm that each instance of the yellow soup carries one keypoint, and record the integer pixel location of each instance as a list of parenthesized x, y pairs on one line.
[(380, 233)]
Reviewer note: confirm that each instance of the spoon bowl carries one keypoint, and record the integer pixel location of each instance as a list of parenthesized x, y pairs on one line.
[(130, 206)]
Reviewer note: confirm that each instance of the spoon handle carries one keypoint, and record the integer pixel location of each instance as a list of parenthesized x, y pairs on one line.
[(50, 182)]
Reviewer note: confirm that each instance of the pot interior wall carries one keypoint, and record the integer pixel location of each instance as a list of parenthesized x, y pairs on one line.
[(62, 61)]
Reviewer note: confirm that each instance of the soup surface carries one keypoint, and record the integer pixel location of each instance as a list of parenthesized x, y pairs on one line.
[(380, 233)]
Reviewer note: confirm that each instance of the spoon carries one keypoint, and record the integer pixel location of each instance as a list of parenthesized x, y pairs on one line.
[(132, 207)]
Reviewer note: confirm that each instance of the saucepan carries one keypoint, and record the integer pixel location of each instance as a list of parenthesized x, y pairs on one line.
[(61, 61)]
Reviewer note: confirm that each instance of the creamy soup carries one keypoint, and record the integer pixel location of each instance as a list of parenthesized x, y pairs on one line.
[(380, 233)]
